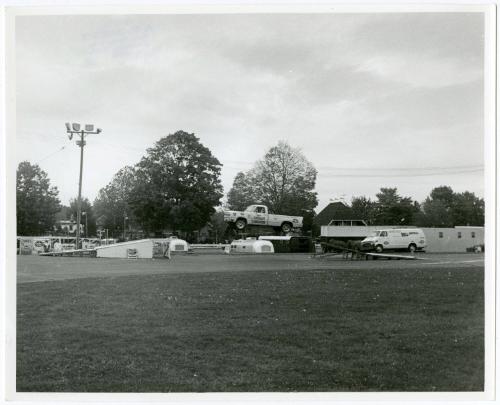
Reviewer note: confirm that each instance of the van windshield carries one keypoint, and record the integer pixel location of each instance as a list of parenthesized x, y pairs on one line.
[(375, 233)]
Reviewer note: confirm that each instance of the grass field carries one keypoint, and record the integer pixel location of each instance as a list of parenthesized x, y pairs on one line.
[(364, 326)]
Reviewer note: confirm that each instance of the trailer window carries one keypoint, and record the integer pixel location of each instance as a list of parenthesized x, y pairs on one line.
[(473, 234), (459, 234), (404, 234), (441, 234)]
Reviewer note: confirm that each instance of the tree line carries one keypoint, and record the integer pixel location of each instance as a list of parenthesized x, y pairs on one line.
[(176, 186), (443, 208)]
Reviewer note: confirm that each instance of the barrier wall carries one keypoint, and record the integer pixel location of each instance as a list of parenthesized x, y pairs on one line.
[(142, 249)]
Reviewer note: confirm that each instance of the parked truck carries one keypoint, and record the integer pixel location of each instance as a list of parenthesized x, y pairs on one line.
[(259, 215)]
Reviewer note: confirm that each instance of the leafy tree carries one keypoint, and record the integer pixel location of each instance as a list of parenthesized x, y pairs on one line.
[(468, 209), (445, 208), (36, 201), (112, 202), (218, 226), (308, 225), (444, 194), (392, 209), (241, 194), (363, 208), (436, 209), (90, 221), (283, 180), (436, 213), (64, 213), (177, 185)]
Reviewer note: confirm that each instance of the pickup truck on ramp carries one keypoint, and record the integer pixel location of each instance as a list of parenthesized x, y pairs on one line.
[(259, 215)]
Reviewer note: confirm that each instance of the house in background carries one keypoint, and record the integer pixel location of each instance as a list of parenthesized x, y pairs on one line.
[(67, 227), (337, 212), (66, 223)]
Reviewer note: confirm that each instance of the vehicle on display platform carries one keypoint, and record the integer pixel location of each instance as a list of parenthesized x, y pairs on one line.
[(259, 215), (410, 239)]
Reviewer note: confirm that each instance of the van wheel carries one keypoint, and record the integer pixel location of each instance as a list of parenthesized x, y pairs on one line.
[(240, 224), (286, 227), (412, 248), (379, 248)]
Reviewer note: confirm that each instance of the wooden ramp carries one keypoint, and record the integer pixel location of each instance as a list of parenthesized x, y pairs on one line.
[(390, 256), (354, 254)]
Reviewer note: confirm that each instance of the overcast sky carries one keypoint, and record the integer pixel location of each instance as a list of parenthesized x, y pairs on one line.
[(372, 100)]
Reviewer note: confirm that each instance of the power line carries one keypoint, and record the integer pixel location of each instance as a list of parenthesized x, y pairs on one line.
[(52, 154), (469, 167), (440, 173), (121, 145), (477, 167)]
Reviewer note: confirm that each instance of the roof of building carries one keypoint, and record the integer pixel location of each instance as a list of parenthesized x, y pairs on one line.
[(335, 210)]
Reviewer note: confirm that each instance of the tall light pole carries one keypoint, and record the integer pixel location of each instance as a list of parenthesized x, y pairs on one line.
[(73, 129)]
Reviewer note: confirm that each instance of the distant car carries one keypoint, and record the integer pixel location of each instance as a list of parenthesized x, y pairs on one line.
[(259, 215), (410, 239)]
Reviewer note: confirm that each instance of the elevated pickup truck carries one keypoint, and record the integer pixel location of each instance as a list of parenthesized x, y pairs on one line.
[(259, 215)]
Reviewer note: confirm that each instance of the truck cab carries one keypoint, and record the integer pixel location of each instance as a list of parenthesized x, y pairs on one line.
[(257, 214)]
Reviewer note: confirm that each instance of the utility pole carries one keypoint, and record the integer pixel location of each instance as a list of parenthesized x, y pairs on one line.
[(71, 130)]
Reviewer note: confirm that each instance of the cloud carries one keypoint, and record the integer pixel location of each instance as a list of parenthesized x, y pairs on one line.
[(421, 71), (349, 89)]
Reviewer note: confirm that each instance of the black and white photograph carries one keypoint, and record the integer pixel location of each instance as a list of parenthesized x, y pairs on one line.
[(224, 199)]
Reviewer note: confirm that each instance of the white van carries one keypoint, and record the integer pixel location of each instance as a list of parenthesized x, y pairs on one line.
[(411, 239)]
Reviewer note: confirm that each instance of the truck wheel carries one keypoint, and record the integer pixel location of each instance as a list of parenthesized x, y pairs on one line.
[(286, 227), (240, 224), (379, 248), (412, 248)]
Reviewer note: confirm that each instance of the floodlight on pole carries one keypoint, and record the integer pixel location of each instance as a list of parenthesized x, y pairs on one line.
[(76, 128)]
